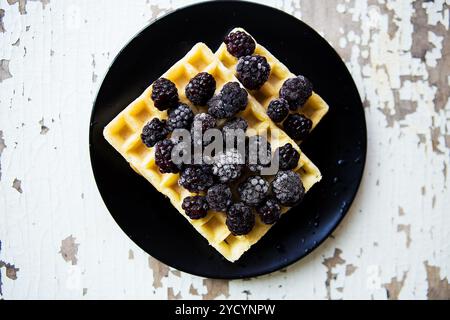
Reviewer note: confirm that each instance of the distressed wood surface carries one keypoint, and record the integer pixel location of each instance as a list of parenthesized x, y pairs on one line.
[(59, 241)]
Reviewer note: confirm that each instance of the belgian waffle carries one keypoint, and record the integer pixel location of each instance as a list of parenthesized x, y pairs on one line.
[(123, 133), (314, 109)]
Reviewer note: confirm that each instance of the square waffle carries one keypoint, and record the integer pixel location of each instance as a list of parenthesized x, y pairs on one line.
[(123, 133), (314, 109)]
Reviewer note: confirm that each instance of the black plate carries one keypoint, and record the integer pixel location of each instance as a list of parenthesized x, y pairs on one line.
[(337, 146)]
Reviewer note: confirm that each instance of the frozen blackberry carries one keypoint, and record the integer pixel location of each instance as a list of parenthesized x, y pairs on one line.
[(219, 197), (234, 96), (240, 44), (201, 88), (297, 126), (202, 122), (269, 211), (180, 117), (288, 157), (196, 178), (240, 219), (253, 190), (278, 110), (236, 124), (231, 100), (154, 131), (182, 153), (236, 128), (195, 207), (163, 156), (228, 165), (258, 153), (296, 91), (216, 108), (164, 94), (253, 71), (287, 188)]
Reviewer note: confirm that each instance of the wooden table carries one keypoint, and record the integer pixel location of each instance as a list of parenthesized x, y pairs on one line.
[(58, 239)]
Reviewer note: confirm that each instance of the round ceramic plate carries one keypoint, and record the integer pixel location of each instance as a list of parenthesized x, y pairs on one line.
[(337, 146)]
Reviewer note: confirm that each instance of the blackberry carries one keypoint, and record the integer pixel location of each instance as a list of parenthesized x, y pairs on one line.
[(202, 122), (216, 108), (288, 157), (180, 117), (253, 71), (164, 94), (269, 211), (230, 130), (240, 219), (278, 110), (228, 165), (201, 88), (258, 153), (154, 131), (297, 126), (195, 207), (239, 44), (296, 91), (287, 188), (234, 95), (236, 124), (253, 190), (231, 100), (184, 152), (219, 197), (196, 178), (163, 156)]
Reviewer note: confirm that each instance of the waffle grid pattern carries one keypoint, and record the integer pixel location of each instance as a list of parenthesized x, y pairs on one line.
[(314, 109), (123, 133)]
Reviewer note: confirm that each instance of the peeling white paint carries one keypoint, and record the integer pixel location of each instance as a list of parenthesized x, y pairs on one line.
[(375, 41)]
